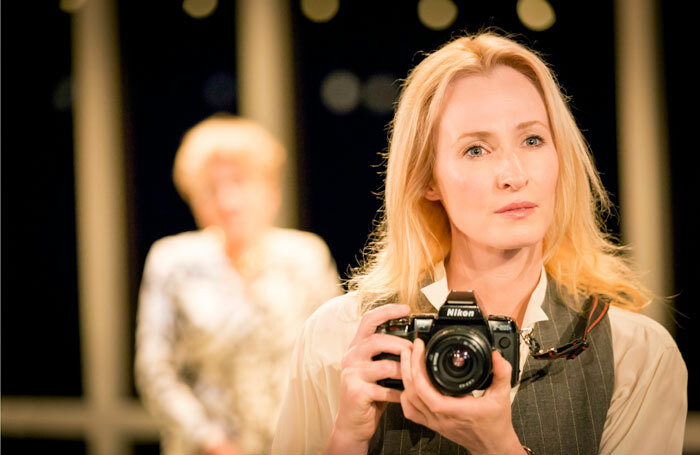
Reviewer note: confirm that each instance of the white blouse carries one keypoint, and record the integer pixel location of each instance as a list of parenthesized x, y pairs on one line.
[(646, 416), (213, 345)]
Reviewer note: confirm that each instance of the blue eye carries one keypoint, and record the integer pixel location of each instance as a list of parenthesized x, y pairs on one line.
[(533, 141), (475, 151)]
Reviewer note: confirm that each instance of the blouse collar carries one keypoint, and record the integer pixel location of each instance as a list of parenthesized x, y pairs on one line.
[(437, 292)]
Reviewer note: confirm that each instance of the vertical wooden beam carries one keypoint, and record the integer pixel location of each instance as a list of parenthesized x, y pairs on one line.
[(643, 148), (101, 216), (266, 82)]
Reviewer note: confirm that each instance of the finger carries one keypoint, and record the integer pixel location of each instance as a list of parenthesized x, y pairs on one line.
[(381, 369), (373, 318), (411, 412), (379, 343), (411, 394), (406, 369), (410, 404), (383, 394), (502, 371), (427, 393), (418, 369)]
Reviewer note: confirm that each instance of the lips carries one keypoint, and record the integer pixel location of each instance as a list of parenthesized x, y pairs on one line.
[(517, 207)]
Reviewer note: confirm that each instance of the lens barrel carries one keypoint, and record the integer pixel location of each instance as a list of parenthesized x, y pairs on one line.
[(458, 359)]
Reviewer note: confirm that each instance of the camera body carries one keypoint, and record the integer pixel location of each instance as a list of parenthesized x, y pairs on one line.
[(458, 344)]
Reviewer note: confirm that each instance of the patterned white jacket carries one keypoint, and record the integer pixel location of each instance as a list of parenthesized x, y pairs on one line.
[(213, 344)]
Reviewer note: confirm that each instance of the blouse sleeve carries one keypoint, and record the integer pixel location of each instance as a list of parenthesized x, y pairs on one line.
[(163, 392), (311, 403), (306, 417), (649, 405), (320, 275)]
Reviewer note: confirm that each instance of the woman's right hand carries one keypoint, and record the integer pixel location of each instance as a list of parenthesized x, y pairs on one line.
[(362, 400)]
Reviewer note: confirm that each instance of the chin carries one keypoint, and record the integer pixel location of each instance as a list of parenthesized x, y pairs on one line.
[(515, 241)]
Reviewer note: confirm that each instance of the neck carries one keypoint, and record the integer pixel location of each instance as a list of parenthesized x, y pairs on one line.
[(238, 251), (247, 257), (503, 280)]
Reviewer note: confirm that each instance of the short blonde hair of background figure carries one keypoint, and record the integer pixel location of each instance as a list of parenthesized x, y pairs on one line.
[(227, 137), (413, 233)]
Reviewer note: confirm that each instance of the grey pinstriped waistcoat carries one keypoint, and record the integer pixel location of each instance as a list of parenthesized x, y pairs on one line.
[(560, 407)]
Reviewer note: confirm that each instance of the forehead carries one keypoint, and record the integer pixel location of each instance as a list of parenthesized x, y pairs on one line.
[(228, 165), (502, 97)]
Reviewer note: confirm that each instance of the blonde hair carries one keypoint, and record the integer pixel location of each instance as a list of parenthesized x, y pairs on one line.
[(413, 233), (227, 137)]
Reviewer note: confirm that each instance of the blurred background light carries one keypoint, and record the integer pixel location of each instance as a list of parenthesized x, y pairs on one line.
[(537, 15), (220, 90), (437, 14), (199, 8), (71, 6), (379, 93), (340, 91), (320, 10)]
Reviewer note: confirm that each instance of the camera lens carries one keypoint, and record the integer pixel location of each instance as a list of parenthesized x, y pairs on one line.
[(458, 359)]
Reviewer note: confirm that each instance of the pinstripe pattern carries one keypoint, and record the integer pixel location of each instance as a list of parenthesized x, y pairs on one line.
[(576, 393), (566, 422), (556, 415), (560, 407)]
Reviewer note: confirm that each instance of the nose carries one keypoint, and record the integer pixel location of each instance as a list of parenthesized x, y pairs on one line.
[(511, 175)]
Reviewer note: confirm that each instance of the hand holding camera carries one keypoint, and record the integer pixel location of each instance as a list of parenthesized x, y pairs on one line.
[(481, 424), (362, 400), (459, 351), (376, 367)]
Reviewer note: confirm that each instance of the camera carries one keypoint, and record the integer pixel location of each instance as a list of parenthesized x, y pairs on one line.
[(458, 344)]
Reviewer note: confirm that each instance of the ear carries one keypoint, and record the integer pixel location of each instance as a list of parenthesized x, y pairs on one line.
[(432, 193)]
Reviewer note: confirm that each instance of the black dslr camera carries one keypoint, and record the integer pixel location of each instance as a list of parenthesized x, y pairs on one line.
[(458, 344)]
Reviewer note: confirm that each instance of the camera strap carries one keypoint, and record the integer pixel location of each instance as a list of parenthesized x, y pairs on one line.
[(570, 350)]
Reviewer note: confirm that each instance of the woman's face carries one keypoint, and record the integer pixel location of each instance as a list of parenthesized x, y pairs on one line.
[(237, 198), (496, 166)]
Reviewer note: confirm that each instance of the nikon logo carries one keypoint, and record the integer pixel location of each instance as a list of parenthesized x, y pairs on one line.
[(460, 313)]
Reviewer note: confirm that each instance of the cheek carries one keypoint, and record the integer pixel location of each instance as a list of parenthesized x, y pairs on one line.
[(262, 206), (204, 212), (547, 174), (553, 174), (465, 192)]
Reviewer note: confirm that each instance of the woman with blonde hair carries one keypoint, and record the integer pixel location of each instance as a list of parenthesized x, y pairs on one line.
[(220, 307), (490, 188)]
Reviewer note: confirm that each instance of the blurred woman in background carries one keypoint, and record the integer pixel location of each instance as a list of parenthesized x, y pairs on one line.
[(220, 307)]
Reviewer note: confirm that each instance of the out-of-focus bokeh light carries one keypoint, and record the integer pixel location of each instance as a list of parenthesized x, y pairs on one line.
[(63, 95), (437, 14), (379, 93), (199, 8), (220, 90), (320, 10), (537, 15), (340, 91), (71, 6)]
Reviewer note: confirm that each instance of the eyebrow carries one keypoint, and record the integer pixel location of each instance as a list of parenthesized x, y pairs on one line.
[(524, 125), (520, 126)]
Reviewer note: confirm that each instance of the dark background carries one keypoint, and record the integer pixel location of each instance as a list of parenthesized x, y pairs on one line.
[(172, 64)]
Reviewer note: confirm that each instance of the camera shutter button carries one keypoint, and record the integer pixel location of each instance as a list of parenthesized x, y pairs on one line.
[(504, 343)]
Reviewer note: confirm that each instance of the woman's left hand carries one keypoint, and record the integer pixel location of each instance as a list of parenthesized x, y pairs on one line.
[(481, 424)]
